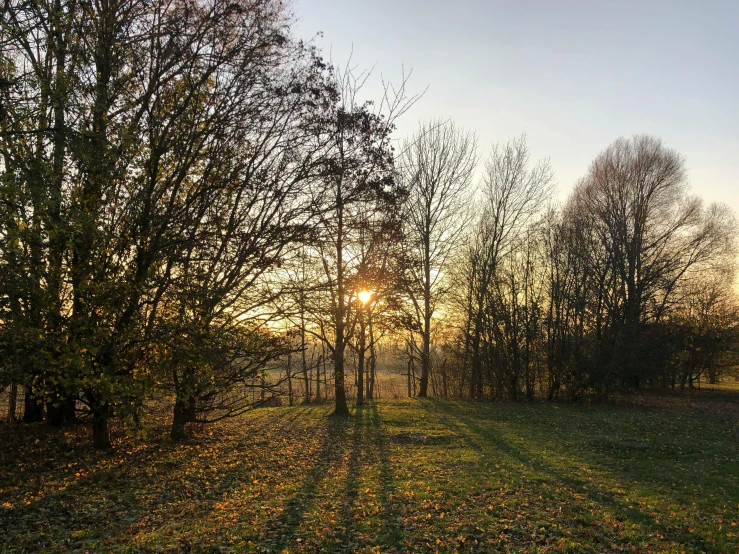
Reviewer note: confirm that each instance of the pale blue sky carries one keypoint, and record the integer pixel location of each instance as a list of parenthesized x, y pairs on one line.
[(573, 76)]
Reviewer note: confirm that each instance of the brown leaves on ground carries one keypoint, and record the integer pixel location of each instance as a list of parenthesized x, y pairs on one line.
[(486, 478)]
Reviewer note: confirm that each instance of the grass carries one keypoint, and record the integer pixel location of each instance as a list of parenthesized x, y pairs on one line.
[(397, 476)]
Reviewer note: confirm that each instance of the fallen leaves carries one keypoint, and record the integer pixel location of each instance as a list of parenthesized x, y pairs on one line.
[(529, 478)]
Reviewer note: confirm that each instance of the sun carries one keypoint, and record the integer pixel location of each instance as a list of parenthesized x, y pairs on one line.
[(364, 296)]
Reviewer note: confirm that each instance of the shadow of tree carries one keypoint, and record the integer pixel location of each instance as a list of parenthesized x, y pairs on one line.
[(354, 461), (227, 485), (329, 455), (297, 479), (115, 497), (482, 436), (388, 492)]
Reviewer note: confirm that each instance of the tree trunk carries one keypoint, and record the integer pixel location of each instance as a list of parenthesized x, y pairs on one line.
[(306, 379), (325, 377), (426, 334), (360, 379), (304, 361), (360, 363), (372, 362), (341, 408), (12, 400), (513, 389), (410, 365), (425, 360), (61, 411), (33, 408), (289, 377), (444, 386), (476, 373), (101, 427), (184, 413)]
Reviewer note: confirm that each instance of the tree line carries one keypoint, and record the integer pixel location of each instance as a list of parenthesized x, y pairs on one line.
[(628, 284), (191, 197)]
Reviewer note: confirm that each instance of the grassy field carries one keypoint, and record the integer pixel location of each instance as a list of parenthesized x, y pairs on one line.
[(400, 475)]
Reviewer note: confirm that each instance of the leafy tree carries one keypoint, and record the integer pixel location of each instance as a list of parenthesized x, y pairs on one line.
[(357, 173)]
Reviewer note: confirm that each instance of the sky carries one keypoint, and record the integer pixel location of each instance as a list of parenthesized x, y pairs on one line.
[(572, 75)]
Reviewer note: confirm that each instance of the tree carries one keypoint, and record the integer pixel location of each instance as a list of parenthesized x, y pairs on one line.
[(569, 269), (208, 112), (169, 111), (358, 172), (40, 66), (436, 166), (513, 193), (380, 264), (253, 214), (707, 321), (651, 234)]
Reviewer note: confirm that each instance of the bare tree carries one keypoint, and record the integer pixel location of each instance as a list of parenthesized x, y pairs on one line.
[(513, 194), (653, 233), (569, 267), (436, 166)]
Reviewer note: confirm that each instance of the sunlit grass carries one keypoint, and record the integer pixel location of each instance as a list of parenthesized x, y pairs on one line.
[(400, 475)]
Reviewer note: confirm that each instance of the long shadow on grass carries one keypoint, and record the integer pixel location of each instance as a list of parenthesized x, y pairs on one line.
[(120, 492), (330, 453), (476, 435), (359, 443), (369, 450), (359, 451), (388, 492)]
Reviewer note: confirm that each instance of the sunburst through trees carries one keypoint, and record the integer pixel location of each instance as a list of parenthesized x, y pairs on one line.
[(198, 211)]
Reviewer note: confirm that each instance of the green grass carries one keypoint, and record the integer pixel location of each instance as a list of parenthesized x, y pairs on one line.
[(473, 477)]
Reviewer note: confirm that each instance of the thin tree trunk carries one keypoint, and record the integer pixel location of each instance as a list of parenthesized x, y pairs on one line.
[(306, 379), (341, 406), (425, 358), (360, 363), (426, 334), (61, 409), (476, 373), (445, 390), (289, 377), (410, 365), (325, 377), (304, 361), (12, 400), (372, 361)]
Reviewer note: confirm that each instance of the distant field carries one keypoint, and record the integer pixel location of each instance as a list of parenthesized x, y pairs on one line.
[(660, 474)]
